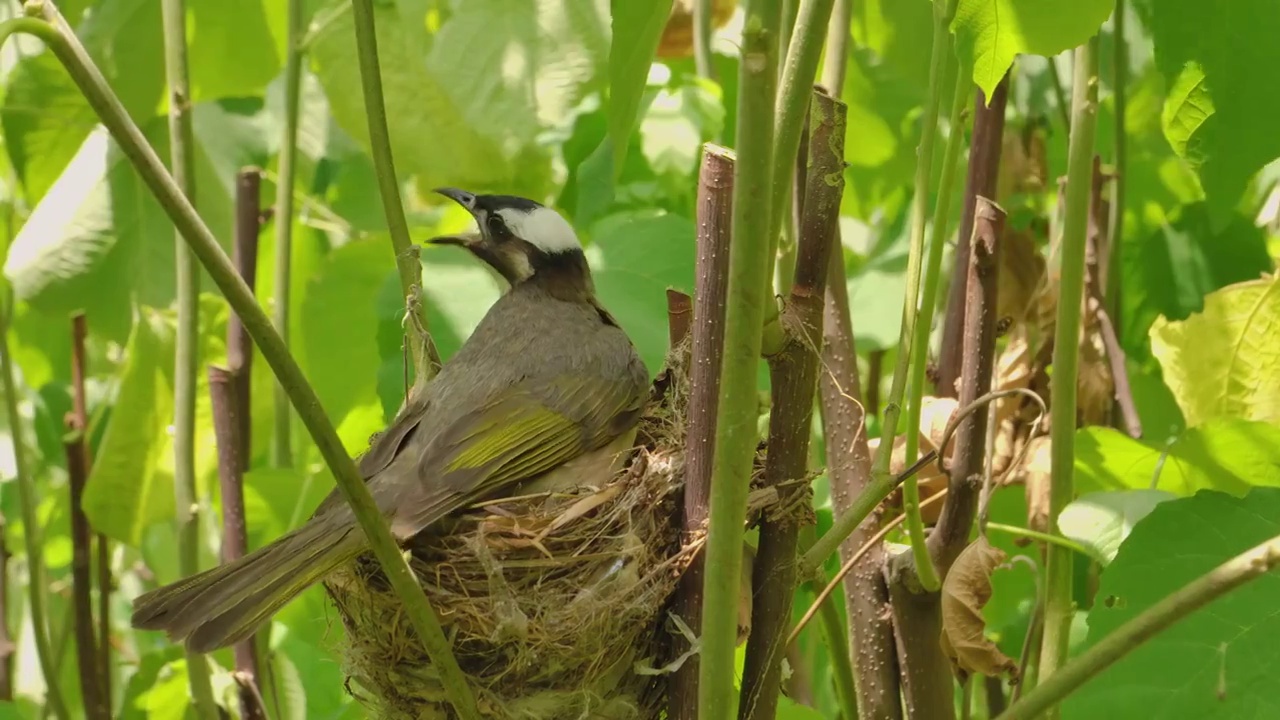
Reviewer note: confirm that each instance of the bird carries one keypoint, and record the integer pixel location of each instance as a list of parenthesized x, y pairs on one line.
[(547, 392)]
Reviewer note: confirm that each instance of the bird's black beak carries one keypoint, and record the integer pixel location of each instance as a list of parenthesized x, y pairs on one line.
[(467, 201)]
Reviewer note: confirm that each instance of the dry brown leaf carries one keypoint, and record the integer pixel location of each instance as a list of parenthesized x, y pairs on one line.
[(677, 36), (964, 593), (1036, 473), (935, 413), (1022, 269)]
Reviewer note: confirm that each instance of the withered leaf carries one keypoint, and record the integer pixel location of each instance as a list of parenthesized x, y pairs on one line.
[(964, 593)]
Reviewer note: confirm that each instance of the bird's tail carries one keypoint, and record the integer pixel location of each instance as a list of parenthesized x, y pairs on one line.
[(226, 604)]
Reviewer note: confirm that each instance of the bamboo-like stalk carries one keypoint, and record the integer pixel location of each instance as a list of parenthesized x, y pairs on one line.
[(77, 451), (1066, 354), (711, 286), (941, 64), (736, 417), (1115, 223), (31, 530), (426, 358), (702, 58), (187, 354), (282, 416), (794, 373), (984, 170), (929, 576), (51, 28), (229, 395), (1230, 575)]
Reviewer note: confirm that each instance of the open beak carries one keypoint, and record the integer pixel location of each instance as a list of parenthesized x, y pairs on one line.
[(468, 201)]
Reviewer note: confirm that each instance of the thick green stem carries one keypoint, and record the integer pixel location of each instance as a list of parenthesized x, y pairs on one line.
[(941, 57), (1066, 352), (925, 570), (737, 414), (31, 533), (702, 39), (281, 438), (1237, 571), (794, 91), (1115, 232), (107, 106), (426, 359), (842, 676), (187, 353)]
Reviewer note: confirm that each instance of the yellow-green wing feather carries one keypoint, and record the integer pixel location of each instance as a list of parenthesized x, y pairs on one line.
[(527, 431)]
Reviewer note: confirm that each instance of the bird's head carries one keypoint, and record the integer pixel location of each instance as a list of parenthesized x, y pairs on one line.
[(521, 239)]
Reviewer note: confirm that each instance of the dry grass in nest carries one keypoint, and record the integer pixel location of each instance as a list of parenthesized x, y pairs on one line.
[(553, 603)]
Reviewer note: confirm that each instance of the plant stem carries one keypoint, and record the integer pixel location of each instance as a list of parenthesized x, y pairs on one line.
[(1016, 531), (64, 44), (794, 373), (702, 39), (842, 672), (1059, 94), (984, 169), (969, 457), (927, 574), (798, 73), (426, 359), (186, 502), (230, 400), (1228, 576), (77, 451), (282, 416), (31, 531), (736, 417), (1057, 587), (1115, 230), (715, 217)]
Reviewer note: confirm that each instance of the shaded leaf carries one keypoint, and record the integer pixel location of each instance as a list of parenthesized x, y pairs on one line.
[(215, 26), (990, 33), (635, 257), (127, 490), (1170, 272), (637, 27), (1101, 521), (1218, 109), (965, 591), (1217, 662), (1227, 455), (1224, 362)]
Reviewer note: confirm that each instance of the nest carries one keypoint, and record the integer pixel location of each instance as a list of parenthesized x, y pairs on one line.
[(555, 604)]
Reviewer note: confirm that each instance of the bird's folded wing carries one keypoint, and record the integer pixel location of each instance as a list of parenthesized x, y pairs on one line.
[(524, 432)]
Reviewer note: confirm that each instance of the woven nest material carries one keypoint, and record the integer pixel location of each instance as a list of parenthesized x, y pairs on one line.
[(555, 604)]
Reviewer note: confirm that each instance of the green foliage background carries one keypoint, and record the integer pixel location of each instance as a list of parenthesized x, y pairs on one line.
[(556, 100)]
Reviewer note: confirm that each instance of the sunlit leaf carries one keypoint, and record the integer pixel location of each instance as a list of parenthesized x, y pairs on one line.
[(1216, 663), (215, 26), (1101, 521), (1228, 455), (1217, 112), (127, 491), (637, 26), (1224, 361), (990, 33)]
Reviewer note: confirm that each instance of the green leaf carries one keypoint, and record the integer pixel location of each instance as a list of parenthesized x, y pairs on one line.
[(1184, 259), (98, 240), (990, 33), (46, 119), (339, 325), (1101, 521), (637, 26), (127, 489), (1230, 455), (466, 105), (1218, 111), (215, 26), (635, 257), (1216, 663), (678, 121), (1224, 362)]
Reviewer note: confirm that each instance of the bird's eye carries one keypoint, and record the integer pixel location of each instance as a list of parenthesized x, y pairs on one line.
[(497, 228)]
